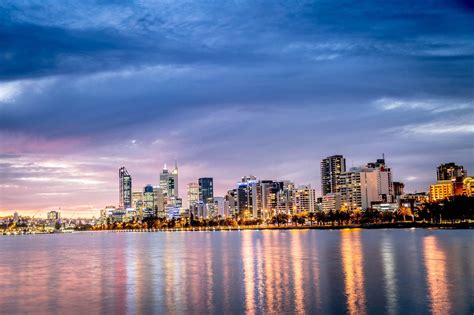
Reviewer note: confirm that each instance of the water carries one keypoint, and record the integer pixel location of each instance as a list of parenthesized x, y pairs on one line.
[(311, 271)]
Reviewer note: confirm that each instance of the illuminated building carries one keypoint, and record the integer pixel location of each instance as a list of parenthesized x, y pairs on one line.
[(159, 201), (169, 183), (285, 198), (54, 216), (247, 197), (468, 186), (450, 171), (304, 199), (331, 202), (361, 187), (219, 207), (148, 201), (192, 193), (137, 201), (331, 169), (441, 190), (230, 203), (125, 188), (206, 189)]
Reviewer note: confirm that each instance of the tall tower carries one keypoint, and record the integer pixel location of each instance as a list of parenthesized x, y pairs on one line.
[(331, 169), (206, 190), (174, 175), (125, 188)]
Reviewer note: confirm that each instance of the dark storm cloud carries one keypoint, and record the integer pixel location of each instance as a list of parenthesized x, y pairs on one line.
[(210, 82)]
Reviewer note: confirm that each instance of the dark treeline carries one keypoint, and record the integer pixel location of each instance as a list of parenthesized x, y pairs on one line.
[(458, 209)]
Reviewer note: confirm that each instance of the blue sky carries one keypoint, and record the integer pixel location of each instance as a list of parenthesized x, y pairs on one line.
[(228, 88)]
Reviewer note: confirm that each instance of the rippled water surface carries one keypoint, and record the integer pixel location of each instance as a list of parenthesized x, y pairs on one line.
[(310, 271)]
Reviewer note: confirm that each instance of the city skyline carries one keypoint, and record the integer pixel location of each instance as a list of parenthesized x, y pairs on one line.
[(227, 90), (157, 189)]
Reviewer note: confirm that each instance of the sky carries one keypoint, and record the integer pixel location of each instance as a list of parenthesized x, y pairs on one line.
[(228, 89)]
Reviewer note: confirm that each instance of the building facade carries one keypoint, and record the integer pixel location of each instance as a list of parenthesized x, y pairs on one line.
[(125, 189), (331, 169)]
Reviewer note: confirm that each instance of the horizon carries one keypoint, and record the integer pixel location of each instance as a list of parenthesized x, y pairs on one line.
[(267, 89)]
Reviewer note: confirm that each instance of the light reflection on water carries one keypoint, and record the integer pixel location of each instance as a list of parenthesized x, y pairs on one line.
[(352, 261), (252, 272)]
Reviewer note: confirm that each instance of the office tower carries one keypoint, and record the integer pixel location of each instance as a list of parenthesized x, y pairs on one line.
[(450, 171), (137, 202), (267, 191), (148, 201), (193, 193), (304, 199), (398, 189), (125, 188), (331, 169), (159, 201), (247, 197), (169, 183), (174, 176), (206, 189)]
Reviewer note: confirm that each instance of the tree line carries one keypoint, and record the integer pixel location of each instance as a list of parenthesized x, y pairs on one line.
[(458, 209)]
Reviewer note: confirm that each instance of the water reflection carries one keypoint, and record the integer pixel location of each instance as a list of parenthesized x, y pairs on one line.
[(436, 276), (230, 272), (298, 277), (249, 274), (352, 264), (390, 278)]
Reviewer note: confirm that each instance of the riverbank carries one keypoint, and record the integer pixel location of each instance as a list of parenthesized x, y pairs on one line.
[(405, 225)]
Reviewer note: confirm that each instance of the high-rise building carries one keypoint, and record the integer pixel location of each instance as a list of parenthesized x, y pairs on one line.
[(137, 202), (169, 183), (285, 197), (398, 189), (193, 193), (304, 199), (331, 169), (331, 202), (441, 190), (148, 201), (450, 171), (159, 201), (247, 197), (206, 190), (230, 203), (125, 189), (361, 187)]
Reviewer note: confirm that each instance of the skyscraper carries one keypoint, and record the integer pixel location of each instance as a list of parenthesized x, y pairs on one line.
[(331, 169), (193, 193), (148, 201), (125, 189), (247, 197), (206, 189), (169, 183)]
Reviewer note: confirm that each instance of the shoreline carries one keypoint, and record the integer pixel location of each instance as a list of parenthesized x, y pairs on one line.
[(369, 226), (373, 226)]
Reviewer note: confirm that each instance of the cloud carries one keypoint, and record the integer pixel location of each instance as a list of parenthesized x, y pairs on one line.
[(228, 89), (433, 105)]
